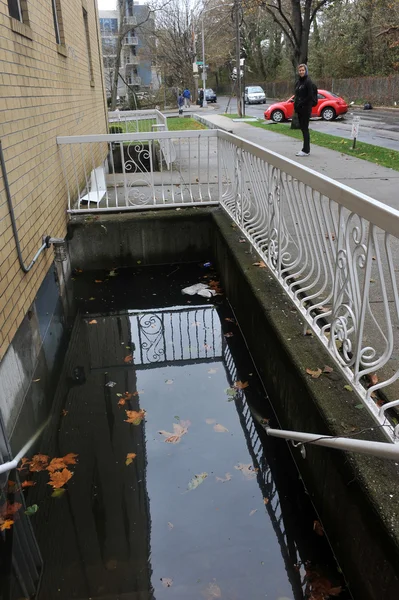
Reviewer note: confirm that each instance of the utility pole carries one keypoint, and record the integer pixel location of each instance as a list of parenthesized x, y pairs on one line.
[(237, 11), (204, 103)]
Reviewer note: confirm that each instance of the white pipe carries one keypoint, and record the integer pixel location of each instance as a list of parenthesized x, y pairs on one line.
[(12, 464), (380, 449)]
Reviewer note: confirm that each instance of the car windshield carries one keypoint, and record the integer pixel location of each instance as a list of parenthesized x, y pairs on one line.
[(333, 95), (209, 91), (255, 90)]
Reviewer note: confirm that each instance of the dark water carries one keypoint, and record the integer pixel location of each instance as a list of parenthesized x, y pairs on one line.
[(219, 513)]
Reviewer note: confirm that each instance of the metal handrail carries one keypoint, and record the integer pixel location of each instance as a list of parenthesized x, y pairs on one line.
[(12, 464)]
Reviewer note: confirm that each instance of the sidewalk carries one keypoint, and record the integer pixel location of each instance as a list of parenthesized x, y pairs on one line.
[(378, 182)]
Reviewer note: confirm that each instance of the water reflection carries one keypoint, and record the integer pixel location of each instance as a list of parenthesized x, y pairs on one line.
[(106, 537)]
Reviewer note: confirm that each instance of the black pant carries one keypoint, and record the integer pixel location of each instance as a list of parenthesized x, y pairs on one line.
[(304, 117)]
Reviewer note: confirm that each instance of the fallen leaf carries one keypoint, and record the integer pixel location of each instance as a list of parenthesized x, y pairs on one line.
[(167, 582), (112, 273), (59, 478), (260, 264), (213, 591), (70, 459), (315, 374), (242, 240), (58, 493), (26, 484), (134, 417), (38, 463), (327, 369), (265, 501), (7, 524), (241, 385), (308, 331), (98, 281), (25, 462), (212, 371), (248, 471), (227, 477), (93, 322), (110, 384), (35, 380), (219, 428), (253, 512), (130, 456), (373, 378), (31, 510), (230, 320), (318, 528), (122, 402), (92, 298), (8, 510), (170, 525), (179, 429), (232, 393), (64, 412), (348, 388), (57, 464), (128, 358), (210, 421), (196, 481), (229, 334), (169, 381)]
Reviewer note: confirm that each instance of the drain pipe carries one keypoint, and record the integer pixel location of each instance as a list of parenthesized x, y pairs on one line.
[(380, 449), (46, 241), (12, 464)]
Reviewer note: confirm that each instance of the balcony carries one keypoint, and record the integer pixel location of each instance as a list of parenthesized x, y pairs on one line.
[(130, 21), (131, 61), (130, 40), (134, 80)]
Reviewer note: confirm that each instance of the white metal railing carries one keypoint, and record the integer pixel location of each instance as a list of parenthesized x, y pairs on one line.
[(131, 61), (130, 20), (130, 40), (332, 249), (135, 121)]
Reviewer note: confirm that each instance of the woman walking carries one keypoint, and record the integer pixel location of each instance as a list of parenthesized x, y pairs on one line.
[(303, 106)]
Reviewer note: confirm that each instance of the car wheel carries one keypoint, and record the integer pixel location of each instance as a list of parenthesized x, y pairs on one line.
[(264, 101), (328, 113), (277, 116)]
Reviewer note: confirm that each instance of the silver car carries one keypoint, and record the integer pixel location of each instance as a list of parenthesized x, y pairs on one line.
[(254, 95)]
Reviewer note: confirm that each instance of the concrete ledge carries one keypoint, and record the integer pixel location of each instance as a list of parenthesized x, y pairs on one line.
[(209, 124), (356, 497)]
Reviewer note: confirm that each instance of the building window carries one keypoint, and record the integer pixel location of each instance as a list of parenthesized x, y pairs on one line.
[(87, 34), (56, 10), (15, 10)]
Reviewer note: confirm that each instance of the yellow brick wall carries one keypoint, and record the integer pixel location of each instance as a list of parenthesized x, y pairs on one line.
[(45, 91)]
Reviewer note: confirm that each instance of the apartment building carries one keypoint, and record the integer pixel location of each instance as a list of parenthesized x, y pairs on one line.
[(135, 65), (51, 84)]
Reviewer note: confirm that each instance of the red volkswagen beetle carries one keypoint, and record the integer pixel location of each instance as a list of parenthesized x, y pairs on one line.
[(329, 107)]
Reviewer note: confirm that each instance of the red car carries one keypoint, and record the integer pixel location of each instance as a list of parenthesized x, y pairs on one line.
[(329, 107)]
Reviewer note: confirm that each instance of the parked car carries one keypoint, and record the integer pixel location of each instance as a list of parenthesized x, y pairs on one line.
[(254, 94), (329, 107), (210, 95)]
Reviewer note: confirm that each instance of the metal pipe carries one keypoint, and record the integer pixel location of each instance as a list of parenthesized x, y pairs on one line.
[(24, 268), (379, 449), (12, 464)]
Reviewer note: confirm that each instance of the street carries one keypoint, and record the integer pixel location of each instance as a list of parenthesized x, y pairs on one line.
[(378, 127)]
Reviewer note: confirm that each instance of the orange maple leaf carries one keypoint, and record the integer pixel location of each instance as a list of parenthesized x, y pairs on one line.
[(57, 464), (39, 462), (7, 524), (59, 478), (26, 484), (241, 385), (25, 462), (122, 402), (130, 456), (70, 459), (8, 510), (134, 417), (128, 358)]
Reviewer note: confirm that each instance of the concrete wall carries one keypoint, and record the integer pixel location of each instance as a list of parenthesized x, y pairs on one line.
[(46, 89)]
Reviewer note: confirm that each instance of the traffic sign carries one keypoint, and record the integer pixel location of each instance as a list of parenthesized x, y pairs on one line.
[(200, 62)]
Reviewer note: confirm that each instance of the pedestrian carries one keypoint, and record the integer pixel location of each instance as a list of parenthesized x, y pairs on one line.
[(187, 97), (303, 106), (180, 103), (201, 97)]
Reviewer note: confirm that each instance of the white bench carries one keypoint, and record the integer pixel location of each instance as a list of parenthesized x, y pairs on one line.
[(98, 188)]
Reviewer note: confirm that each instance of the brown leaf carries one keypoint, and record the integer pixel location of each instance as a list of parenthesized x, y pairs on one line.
[(260, 264), (265, 501), (59, 478), (248, 471), (315, 374), (308, 331), (253, 512), (26, 484), (229, 320), (327, 369), (373, 378), (318, 528), (98, 281), (25, 462), (179, 429), (227, 477), (130, 456), (128, 358), (93, 322), (57, 464), (70, 459), (166, 581), (64, 412), (228, 334), (213, 591), (8, 510), (241, 385), (219, 428), (38, 463), (135, 416), (122, 402), (7, 524)]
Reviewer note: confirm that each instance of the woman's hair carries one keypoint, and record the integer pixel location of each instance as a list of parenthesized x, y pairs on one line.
[(305, 67)]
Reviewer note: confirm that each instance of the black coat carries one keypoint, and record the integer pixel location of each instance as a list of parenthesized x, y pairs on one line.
[(303, 95)]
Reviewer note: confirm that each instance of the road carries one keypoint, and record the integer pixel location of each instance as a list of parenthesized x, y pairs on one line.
[(378, 127)]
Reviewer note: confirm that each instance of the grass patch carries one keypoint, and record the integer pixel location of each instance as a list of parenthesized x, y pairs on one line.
[(375, 154), (183, 124)]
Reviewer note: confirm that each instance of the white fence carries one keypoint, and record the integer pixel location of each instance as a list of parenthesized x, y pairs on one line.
[(135, 121), (332, 249)]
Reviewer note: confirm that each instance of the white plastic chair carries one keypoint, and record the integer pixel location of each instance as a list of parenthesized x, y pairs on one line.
[(98, 188)]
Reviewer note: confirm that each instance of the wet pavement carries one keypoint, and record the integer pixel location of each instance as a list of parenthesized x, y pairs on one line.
[(176, 490)]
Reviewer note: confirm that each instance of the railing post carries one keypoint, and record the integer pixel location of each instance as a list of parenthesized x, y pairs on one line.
[(219, 150)]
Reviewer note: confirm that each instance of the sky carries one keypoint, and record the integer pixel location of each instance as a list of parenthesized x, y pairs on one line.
[(106, 4)]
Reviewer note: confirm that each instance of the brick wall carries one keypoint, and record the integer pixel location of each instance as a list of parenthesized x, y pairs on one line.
[(46, 89)]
